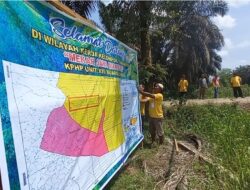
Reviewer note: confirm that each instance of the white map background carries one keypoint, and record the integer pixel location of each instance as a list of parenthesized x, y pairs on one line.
[(32, 95)]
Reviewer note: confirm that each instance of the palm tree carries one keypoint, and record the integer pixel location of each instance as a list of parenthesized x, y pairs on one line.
[(83, 8), (131, 23), (244, 73), (145, 8), (192, 38), (177, 34)]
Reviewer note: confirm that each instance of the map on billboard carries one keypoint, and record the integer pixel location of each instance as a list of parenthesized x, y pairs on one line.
[(70, 112)]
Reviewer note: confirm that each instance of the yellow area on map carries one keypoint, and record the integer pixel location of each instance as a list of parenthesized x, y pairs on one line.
[(86, 99)]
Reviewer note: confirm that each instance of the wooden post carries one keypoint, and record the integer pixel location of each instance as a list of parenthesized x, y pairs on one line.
[(176, 146)]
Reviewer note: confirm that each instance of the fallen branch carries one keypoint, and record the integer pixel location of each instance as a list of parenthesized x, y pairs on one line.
[(208, 160), (158, 183), (177, 176), (194, 151), (176, 146), (145, 167)]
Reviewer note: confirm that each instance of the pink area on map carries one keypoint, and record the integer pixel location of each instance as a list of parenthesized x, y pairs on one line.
[(65, 136)]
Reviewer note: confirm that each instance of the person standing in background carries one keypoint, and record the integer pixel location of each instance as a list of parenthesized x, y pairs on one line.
[(202, 86), (183, 87), (216, 85), (236, 83)]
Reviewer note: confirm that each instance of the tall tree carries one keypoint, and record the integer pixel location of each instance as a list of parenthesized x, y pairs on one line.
[(192, 39), (244, 73), (177, 34), (83, 8), (130, 22), (225, 75), (145, 8)]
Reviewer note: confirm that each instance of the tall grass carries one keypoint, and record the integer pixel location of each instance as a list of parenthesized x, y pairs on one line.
[(226, 132)]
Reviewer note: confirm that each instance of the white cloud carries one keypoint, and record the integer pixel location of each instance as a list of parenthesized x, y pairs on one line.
[(228, 43), (106, 2), (237, 3), (225, 22), (223, 53), (230, 46)]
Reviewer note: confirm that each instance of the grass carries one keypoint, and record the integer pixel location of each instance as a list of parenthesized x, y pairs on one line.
[(132, 180), (224, 92), (226, 137), (225, 129), (227, 92), (132, 176)]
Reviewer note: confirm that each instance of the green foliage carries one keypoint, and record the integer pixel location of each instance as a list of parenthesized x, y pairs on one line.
[(130, 180), (129, 21), (225, 75), (177, 34), (83, 8), (149, 74), (192, 38), (244, 73), (116, 18)]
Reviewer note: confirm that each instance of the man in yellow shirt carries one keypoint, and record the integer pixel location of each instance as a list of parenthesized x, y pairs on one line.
[(236, 83), (183, 87), (155, 112)]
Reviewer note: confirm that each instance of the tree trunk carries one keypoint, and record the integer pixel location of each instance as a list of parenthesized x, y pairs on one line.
[(145, 7)]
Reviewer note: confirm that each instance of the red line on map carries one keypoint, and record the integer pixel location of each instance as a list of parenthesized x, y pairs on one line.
[(70, 99)]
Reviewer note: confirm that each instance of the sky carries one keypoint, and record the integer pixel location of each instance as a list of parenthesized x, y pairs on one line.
[(235, 27), (95, 15)]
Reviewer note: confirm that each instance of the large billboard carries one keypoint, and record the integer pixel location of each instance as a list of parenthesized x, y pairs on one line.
[(69, 103)]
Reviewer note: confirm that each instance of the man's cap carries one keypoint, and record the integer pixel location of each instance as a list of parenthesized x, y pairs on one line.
[(160, 85)]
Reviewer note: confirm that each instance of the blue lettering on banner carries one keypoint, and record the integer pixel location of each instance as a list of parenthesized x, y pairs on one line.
[(59, 28)]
